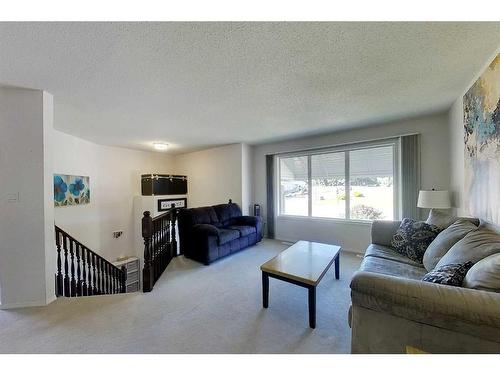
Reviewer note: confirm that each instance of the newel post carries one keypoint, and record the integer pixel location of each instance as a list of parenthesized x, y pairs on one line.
[(147, 272)]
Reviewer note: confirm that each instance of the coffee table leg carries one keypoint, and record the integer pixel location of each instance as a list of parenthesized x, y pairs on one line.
[(265, 290), (312, 306), (337, 266)]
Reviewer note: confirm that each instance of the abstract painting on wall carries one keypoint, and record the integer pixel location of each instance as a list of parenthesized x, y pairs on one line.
[(71, 190), (482, 145)]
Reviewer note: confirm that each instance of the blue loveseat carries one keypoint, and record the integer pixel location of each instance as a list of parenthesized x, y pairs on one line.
[(209, 233)]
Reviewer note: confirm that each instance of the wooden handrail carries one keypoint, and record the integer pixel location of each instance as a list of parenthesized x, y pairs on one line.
[(160, 245), (92, 275), (82, 245)]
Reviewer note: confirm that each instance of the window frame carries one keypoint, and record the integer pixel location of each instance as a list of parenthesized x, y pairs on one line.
[(392, 142)]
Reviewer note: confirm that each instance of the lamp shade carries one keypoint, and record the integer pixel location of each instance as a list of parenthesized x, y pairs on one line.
[(434, 199)]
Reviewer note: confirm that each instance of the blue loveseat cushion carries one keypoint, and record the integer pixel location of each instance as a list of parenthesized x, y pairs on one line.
[(204, 215), (226, 235), (227, 213), (244, 230)]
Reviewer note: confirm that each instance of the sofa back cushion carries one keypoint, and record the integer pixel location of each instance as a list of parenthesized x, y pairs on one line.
[(204, 215), (445, 240), (476, 245), (199, 215), (226, 213), (383, 231), (485, 274)]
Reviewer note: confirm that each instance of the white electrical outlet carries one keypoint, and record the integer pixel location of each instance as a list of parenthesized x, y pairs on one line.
[(117, 233)]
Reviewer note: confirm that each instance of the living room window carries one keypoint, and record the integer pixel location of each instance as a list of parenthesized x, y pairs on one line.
[(328, 185), (294, 177), (348, 183)]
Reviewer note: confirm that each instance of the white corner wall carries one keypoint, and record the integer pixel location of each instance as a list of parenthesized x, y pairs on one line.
[(27, 244), (246, 179), (114, 181), (48, 193), (350, 235), (214, 175), (456, 157)]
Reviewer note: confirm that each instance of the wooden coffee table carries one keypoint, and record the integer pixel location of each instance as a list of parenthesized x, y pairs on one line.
[(303, 264)]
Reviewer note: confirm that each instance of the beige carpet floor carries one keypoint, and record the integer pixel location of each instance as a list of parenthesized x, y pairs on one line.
[(193, 309)]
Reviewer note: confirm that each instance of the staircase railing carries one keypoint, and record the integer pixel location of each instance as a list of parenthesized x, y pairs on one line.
[(92, 274), (160, 245)]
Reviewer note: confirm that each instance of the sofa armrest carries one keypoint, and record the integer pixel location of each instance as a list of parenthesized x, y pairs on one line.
[(205, 229), (383, 230), (444, 306), (254, 221), (248, 220)]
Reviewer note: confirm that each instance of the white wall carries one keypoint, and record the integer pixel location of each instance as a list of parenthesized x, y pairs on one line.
[(27, 243), (246, 179), (114, 181), (456, 157), (355, 236), (214, 175), (48, 193)]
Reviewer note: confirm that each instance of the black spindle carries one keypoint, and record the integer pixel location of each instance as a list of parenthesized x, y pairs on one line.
[(101, 267), (173, 239), (94, 278), (78, 271), (117, 280), (123, 280), (66, 267), (59, 276), (169, 244), (84, 273), (111, 268), (90, 289), (106, 277), (98, 268), (73, 280)]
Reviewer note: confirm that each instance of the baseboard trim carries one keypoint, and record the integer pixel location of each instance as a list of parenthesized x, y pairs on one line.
[(287, 241), (51, 299), (353, 251), (18, 305)]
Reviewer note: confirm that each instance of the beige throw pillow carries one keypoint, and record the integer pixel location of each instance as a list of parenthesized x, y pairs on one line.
[(485, 274), (445, 240), (476, 245)]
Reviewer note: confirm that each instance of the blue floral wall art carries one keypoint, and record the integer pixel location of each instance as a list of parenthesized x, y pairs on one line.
[(71, 190), (482, 145)]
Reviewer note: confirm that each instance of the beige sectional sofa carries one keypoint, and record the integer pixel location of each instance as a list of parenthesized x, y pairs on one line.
[(393, 310)]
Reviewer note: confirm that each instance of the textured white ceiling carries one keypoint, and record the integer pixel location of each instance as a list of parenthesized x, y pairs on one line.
[(195, 85)]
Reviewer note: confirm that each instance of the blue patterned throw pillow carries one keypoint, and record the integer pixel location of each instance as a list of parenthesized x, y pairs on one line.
[(413, 237), (449, 274)]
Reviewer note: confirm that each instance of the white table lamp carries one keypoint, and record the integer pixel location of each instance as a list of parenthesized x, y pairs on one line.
[(437, 201)]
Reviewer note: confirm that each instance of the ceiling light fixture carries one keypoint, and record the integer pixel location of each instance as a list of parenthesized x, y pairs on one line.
[(160, 146)]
